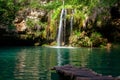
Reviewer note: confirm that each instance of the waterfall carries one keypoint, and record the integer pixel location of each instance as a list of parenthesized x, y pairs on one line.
[(71, 22), (64, 29), (60, 28)]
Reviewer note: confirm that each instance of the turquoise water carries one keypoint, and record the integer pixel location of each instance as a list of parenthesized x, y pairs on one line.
[(35, 63)]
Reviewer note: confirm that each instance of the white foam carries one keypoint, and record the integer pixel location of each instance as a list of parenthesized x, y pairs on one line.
[(60, 47)]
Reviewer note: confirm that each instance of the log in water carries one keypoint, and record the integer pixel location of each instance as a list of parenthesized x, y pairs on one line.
[(69, 72)]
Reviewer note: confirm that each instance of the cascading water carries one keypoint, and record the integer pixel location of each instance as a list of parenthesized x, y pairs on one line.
[(64, 29), (60, 28), (71, 22)]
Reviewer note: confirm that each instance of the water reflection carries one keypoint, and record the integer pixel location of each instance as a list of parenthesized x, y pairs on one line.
[(62, 56), (104, 62), (34, 63), (59, 57), (79, 57), (27, 64)]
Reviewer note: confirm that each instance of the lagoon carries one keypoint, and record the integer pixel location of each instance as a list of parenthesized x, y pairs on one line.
[(35, 63)]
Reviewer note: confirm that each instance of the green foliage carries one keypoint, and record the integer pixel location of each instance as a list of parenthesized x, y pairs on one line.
[(82, 9), (80, 39), (97, 39), (9, 7), (7, 11), (51, 5), (108, 3), (30, 22), (40, 31)]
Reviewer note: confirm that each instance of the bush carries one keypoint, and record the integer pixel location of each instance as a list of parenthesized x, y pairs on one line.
[(97, 39)]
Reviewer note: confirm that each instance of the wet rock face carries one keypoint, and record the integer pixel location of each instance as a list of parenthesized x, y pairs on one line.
[(115, 11), (112, 29), (20, 25), (34, 15)]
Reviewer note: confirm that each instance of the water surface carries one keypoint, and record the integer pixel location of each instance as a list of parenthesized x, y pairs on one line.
[(34, 63)]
